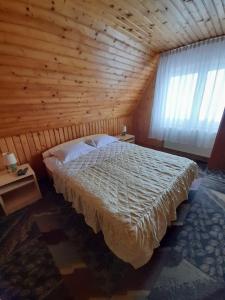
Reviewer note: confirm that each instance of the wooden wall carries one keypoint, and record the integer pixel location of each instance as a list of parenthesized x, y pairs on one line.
[(72, 61), (61, 63), (65, 71), (142, 114), (217, 159), (28, 147)]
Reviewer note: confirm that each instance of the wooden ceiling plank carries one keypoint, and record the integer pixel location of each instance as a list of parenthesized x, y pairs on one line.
[(175, 28), (164, 34), (35, 85), (219, 7), (132, 19), (207, 18), (29, 72), (63, 24), (213, 15), (61, 53), (197, 17), (120, 22), (45, 65), (26, 81), (61, 59), (67, 105), (167, 16), (23, 31), (12, 109), (75, 80), (179, 11), (67, 118), (74, 13), (111, 27), (70, 37)]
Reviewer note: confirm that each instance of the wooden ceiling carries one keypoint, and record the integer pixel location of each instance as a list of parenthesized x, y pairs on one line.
[(164, 24), (65, 62)]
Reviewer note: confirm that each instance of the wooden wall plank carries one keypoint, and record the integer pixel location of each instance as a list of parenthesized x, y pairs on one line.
[(31, 143), (74, 131), (52, 137), (11, 147), (66, 134), (57, 136), (3, 149), (19, 149), (42, 140), (37, 142), (26, 148), (29, 147), (66, 70), (47, 139)]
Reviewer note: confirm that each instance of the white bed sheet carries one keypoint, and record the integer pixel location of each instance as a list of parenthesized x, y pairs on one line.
[(128, 192), (52, 163)]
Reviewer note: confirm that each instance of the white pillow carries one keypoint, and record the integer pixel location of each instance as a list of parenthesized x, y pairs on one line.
[(103, 140), (51, 151), (52, 163), (72, 151)]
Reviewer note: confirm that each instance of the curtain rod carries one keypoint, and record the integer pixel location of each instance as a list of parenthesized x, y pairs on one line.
[(194, 44)]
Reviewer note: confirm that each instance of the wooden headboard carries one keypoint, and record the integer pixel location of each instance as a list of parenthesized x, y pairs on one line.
[(28, 147)]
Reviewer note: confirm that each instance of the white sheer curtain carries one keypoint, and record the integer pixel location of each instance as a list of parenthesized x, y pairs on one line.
[(190, 97)]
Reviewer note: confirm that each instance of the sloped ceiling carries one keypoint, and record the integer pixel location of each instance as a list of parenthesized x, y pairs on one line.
[(165, 24), (70, 61)]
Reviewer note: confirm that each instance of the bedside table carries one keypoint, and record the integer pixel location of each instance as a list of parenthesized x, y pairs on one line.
[(18, 191), (129, 138)]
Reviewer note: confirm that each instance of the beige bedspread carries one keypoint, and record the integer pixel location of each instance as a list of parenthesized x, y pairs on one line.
[(128, 192)]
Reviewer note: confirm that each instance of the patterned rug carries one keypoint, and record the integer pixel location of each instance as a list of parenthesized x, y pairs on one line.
[(189, 264), (27, 270)]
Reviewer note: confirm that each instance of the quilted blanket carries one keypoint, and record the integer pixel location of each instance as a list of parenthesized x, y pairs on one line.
[(128, 192)]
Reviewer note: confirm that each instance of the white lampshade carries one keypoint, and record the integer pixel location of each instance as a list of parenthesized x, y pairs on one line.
[(9, 159), (124, 128)]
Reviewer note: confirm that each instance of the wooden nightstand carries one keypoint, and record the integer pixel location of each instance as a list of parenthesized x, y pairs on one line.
[(18, 191), (129, 138)]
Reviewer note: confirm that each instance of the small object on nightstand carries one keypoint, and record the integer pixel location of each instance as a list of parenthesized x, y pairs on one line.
[(18, 191), (129, 138), (22, 172)]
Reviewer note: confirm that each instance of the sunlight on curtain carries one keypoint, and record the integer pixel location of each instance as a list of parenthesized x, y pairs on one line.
[(190, 97)]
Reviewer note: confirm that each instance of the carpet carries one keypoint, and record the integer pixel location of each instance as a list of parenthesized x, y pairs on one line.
[(27, 270), (188, 265)]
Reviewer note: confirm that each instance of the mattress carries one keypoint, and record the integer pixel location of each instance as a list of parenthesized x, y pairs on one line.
[(52, 163), (128, 192)]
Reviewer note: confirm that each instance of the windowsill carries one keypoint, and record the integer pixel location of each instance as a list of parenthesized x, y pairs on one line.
[(159, 145)]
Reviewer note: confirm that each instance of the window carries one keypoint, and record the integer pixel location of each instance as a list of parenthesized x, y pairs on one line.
[(214, 93), (190, 96), (180, 97)]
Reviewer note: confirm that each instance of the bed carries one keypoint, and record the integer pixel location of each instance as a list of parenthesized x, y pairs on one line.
[(128, 192)]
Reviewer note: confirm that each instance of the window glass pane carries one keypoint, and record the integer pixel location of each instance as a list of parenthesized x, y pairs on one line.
[(180, 97), (214, 93)]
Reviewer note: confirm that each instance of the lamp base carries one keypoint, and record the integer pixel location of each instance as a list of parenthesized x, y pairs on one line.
[(12, 168)]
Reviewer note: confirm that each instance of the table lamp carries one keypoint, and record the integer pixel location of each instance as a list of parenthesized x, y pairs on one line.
[(10, 161), (124, 131)]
